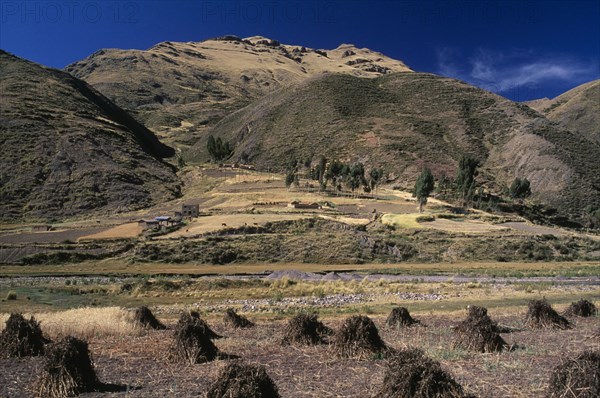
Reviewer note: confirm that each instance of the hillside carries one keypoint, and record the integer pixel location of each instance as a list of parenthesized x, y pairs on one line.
[(181, 89), (577, 109), (67, 150), (404, 121)]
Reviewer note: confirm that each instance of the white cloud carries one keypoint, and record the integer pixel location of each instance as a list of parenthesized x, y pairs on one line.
[(501, 71)]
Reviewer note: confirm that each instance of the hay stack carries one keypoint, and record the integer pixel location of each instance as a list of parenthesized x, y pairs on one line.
[(358, 336), (192, 341), (232, 319), (243, 381), (305, 329), (541, 315), (411, 374), (579, 377), (478, 332), (146, 319), (400, 318), (68, 369), (581, 308), (211, 333), (21, 338)]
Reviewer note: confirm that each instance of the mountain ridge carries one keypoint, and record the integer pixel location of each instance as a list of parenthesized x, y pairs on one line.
[(577, 109), (180, 89)]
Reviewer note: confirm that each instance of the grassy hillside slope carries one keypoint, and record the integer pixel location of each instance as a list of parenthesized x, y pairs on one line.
[(67, 150)]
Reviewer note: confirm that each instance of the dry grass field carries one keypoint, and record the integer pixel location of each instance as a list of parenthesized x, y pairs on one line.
[(84, 323)]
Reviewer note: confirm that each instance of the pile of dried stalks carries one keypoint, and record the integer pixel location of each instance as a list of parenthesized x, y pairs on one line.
[(21, 338), (211, 333), (238, 380), (578, 377), (146, 319), (68, 369), (305, 329), (478, 332), (583, 308), (192, 341), (411, 374), (358, 337), (235, 320), (541, 315), (400, 318)]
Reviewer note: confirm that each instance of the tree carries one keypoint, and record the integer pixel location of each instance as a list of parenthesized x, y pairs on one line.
[(375, 175), (218, 149), (423, 188), (355, 176), (319, 172), (290, 177), (443, 185), (520, 189), (180, 162), (465, 176), (334, 173)]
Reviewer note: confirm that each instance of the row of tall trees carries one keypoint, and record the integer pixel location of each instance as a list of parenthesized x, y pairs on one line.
[(336, 174), (353, 176), (464, 187)]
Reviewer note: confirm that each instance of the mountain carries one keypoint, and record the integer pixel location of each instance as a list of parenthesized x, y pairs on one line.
[(67, 150), (577, 109), (404, 121), (181, 89)]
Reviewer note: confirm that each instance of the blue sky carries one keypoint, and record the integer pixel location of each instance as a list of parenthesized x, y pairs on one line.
[(520, 49)]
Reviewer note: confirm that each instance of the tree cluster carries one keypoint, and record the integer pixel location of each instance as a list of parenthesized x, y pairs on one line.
[(337, 174), (218, 149)]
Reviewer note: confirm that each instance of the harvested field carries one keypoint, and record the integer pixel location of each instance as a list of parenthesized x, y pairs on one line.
[(465, 226), (208, 224), (50, 237), (129, 230), (535, 229), (311, 371)]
